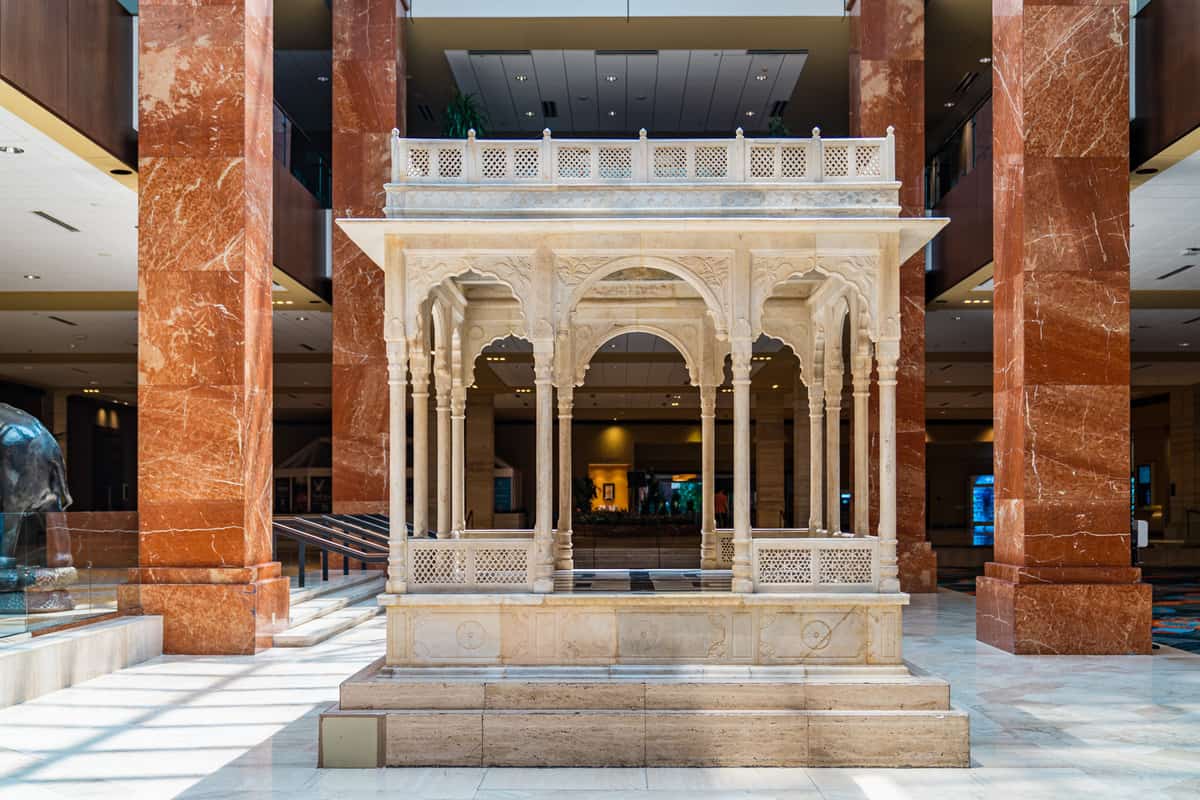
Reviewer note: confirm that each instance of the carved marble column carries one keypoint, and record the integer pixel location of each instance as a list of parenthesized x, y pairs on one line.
[(204, 327), (368, 102), (801, 469), (833, 441), (458, 474), (419, 363), (861, 377), (816, 454), (1062, 580), (543, 381), (708, 462), (887, 87), (889, 352), (442, 383), (563, 549), (742, 578)]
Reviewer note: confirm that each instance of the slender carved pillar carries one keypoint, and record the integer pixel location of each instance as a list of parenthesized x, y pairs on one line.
[(816, 456), (708, 462), (441, 374), (458, 475), (833, 445), (801, 468), (742, 579), (397, 456), (563, 549), (862, 455), (889, 580), (419, 364), (543, 381)]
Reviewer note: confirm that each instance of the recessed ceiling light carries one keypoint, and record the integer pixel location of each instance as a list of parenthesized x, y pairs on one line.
[(985, 60), (762, 76), (774, 385), (749, 113), (612, 113), (610, 78), (1185, 344), (529, 113), (323, 78), (301, 319), (948, 104), (11, 149), (957, 318), (32, 277), (521, 77)]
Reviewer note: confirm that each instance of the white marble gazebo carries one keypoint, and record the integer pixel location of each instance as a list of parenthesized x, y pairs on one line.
[(709, 244)]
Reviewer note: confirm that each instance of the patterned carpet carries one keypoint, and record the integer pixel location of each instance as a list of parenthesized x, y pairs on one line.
[(1176, 612)]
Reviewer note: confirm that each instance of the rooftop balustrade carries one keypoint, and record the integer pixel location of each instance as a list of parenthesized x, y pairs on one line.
[(643, 160)]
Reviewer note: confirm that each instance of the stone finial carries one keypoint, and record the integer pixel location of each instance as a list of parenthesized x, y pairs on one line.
[(642, 133), (471, 135), (816, 133), (738, 133), (545, 133)]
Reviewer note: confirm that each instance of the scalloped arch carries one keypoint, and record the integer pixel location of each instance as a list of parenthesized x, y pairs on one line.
[(584, 357)]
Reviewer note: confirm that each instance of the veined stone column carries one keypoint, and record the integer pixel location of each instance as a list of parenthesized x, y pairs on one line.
[(801, 469), (563, 548), (419, 361), (1062, 581), (742, 579), (204, 328), (441, 374), (833, 447), (887, 88), (709, 556), (368, 102), (862, 454), (889, 576), (543, 543)]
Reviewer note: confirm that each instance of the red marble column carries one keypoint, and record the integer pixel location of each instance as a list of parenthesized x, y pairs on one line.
[(204, 326), (1062, 580), (887, 87), (368, 101)]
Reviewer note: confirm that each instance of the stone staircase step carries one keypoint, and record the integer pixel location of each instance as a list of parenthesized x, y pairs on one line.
[(328, 624), (318, 588), (334, 600)]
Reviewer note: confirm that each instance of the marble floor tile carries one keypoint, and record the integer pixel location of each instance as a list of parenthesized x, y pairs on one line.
[(245, 728)]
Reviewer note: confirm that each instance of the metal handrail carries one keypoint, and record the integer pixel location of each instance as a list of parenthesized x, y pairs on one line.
[(306, 532)]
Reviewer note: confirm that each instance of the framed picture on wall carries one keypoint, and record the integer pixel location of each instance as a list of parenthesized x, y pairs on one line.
[(610, 492)]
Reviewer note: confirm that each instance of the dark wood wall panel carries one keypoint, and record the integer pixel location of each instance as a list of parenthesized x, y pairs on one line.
[(34, 49), (100, 89), (296, 232), (1167, 66), (75, 57)]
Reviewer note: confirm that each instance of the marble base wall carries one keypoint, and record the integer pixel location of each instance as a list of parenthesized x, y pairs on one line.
[(575, 630), (368, 102)]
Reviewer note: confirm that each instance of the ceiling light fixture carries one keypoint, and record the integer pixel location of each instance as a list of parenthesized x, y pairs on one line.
[(612, 113), (32, 277), (520, 77), (323, 78), (762, 76), (11, 149), (774, 385), (1185, 344), (749, 113), (610, 78), (948, 104), (301, 319), (529, 113), (985, 60)]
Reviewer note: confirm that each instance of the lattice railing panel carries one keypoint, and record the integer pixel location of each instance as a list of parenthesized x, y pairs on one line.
[(670, 161), (574, 162), (501, 565), (867, 161), (466, 565), (725, 549), (712, 162), (616, 163), (837, 160), (846, 566), (782, 565)]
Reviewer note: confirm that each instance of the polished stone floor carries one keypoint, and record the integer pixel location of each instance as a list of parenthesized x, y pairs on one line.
[(1041, 727)]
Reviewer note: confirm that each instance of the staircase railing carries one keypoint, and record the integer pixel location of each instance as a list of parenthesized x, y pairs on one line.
[(351, 537)]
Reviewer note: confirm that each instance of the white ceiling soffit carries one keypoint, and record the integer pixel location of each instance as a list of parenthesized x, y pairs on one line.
[(451, 9), (1164, 244), (585, 91), (84, 239)]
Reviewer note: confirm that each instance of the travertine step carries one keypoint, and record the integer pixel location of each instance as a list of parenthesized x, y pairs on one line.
[(644, 716), (334, 599), (328, 624), (318, 588)]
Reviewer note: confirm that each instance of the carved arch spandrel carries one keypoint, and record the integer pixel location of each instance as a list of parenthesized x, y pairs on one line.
[(707, 272), (482, 333), (770, 268), (428, 268)]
